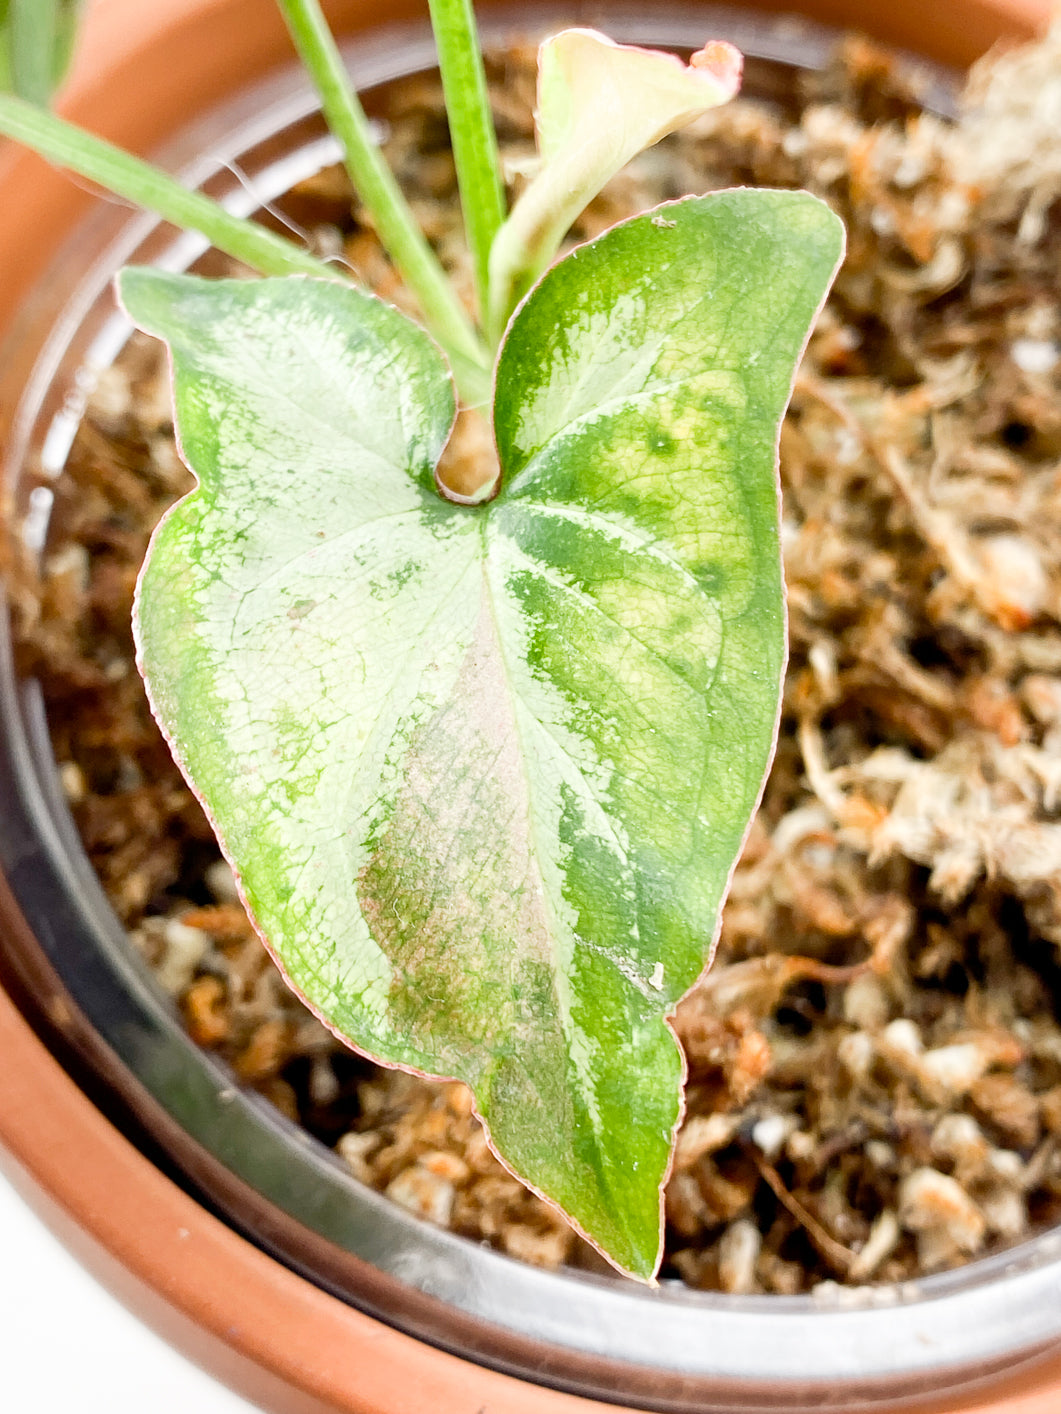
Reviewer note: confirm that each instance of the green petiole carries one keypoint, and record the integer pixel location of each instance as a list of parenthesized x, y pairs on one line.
[(378, 189), (471, 128)]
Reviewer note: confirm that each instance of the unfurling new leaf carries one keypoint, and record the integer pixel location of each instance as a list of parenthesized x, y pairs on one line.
[(483, 772), (599, 105)]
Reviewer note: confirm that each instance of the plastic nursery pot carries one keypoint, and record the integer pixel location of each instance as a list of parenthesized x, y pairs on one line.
[(247, 1244)]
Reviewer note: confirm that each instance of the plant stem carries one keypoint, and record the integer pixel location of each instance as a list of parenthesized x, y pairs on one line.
[(127, 176), (378, 189), (471, 126), (34, 36)]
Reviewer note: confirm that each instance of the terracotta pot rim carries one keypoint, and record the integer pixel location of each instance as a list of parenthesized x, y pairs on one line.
[(936, 1289)]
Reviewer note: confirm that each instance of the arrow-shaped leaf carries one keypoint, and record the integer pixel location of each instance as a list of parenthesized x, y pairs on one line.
[(484, 772)]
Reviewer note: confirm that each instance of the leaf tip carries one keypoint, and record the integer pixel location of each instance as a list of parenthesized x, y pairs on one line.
[(137, 290), (723, 62)]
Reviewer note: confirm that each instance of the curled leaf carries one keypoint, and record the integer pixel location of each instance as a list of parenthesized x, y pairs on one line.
[(599, 105), (610, 101)]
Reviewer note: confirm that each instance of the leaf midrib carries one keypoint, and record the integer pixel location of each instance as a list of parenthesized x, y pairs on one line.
[(567, 1022)]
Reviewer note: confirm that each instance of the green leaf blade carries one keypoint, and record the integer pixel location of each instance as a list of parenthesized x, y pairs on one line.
[(483, 773), (260, 600), (638, 403)]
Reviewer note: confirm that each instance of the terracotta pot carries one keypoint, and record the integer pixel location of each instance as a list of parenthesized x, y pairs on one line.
[(419, 1319)]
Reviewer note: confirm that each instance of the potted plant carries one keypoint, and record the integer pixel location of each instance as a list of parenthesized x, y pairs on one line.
[(856, 1321)]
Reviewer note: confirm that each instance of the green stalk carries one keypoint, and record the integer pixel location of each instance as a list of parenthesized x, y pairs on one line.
[(34, 37), (126, 176), (471, 126), (378, 189)]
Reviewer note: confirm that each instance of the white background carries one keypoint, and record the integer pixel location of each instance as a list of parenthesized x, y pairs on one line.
[(67, 1345)]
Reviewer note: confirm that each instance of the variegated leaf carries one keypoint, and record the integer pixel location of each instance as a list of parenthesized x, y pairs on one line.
[(483, 772)]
